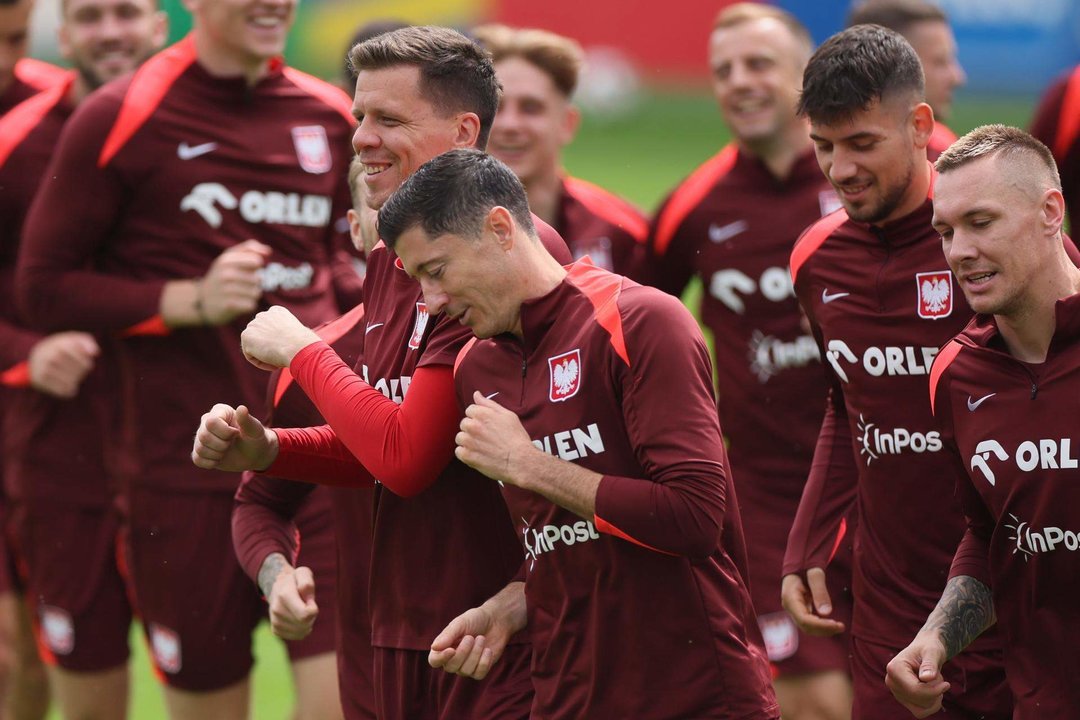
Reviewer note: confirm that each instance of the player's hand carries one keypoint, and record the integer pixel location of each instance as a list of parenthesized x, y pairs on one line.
[(491, 438), (475, 640), (58, 363), (272, 339), (809, 608), (914, 675), (232, 286), (292, 604), (231, 439)]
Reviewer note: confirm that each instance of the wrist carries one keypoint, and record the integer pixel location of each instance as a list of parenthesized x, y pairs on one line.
[(200, 307), (273, 447), (272, 567)]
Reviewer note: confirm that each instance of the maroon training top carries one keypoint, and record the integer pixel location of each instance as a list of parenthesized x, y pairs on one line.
[(602, 226), (183, 165), (1012, 429), (641, 611), (1057, 125)]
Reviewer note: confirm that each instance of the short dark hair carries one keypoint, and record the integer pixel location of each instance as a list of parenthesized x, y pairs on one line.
[(455, 72), (898, 15), (558, 57), (853, 69), (362, 34), (452, 194), (1009, 142)]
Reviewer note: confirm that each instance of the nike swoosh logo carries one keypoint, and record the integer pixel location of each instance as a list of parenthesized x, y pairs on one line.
[(720, 233), (371, 327), (190, 152), (827, 298), (973, 405)]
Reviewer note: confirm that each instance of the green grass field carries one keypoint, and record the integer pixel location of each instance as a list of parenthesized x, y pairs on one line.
[(641, 157)]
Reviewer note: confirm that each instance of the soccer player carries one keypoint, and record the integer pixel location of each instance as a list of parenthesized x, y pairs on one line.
[(211, 143), (880, 300), (926, 27), (538, 71), (443, 540), (20, 77), (61, 515), (722, 224), (1057, 125), (615, 473), (1006, 392)]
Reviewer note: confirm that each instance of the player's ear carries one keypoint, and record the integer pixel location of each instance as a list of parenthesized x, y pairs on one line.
[(501, 225), (922, 122), (468, 130), (1052, 212), (570, 124), (161, 29)]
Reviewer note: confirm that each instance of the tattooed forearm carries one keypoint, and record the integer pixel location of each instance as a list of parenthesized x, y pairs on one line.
[(965, 610), (271, 568)]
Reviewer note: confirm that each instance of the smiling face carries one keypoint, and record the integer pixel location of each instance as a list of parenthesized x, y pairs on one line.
[(871, 158), (238, 36), (105, 39), (400, 129), (467, 278), (756, 76), (535, 121), (993, 231)]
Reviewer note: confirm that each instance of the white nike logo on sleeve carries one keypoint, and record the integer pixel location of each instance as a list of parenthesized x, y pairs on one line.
[(827, 298), (973, 405), (190, 152)]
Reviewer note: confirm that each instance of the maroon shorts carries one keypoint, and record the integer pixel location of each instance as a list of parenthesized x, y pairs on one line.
[(77, 594), (198, 607), (407, 688), (978, 692), (356, 684), (318, 552)]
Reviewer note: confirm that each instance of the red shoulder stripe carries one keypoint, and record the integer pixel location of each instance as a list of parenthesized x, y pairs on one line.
[(813, 237), (1069, 118), (149, 86), (39, 74), (24, 117), (687, 196), (16, 375), (942, 361), (330, 332), (609, 206), (463, 352), (607, 528), (332, 96), (602, 289)]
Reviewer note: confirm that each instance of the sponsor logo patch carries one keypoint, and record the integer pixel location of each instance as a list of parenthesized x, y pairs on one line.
[(565, 373), (57, 629), (312, 149), (935, 294), (165, 644), (420, 326)]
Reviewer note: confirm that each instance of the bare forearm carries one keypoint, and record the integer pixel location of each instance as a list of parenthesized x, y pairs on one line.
[(508, 607), (563, 483), (272, 566), (965, 611)]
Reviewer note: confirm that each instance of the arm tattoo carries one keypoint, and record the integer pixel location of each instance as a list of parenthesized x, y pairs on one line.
[(272, 566), (965, 610)]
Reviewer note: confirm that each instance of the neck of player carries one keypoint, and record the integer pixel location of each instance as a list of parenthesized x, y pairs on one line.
[(539, 274), (780, 152), (545, 194), (1028, 330), (221, 61)]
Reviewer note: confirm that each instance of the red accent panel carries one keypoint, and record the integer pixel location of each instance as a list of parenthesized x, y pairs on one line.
[(151, 326), (16, 375), (942, 361), (812, 239), (24, 117), (690, 193), (149, 86), (331, 332), (39, 74), (607, 528), (840, 533), (1069, 117), (333, 96), (463, 352), (942, 137), (608, 206), (602, 288)]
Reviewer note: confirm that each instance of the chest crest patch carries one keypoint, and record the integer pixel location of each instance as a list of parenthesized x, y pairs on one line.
[(935, 294), (312, 149), (565, 372)]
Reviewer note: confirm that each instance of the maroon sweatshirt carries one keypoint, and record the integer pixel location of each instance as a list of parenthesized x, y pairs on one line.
[(602, 226)]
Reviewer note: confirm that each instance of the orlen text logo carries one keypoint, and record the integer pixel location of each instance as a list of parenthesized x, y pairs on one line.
[(878, 441), (1031, 455), (541, 540), (256, 206), (877, 361), (1030, 541), (394, 388), (727, 285), (573, 444)]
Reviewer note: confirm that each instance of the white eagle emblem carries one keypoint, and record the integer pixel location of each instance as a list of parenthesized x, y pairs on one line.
[(935, 294), (312, 149), (565, 375), (420, 326)]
